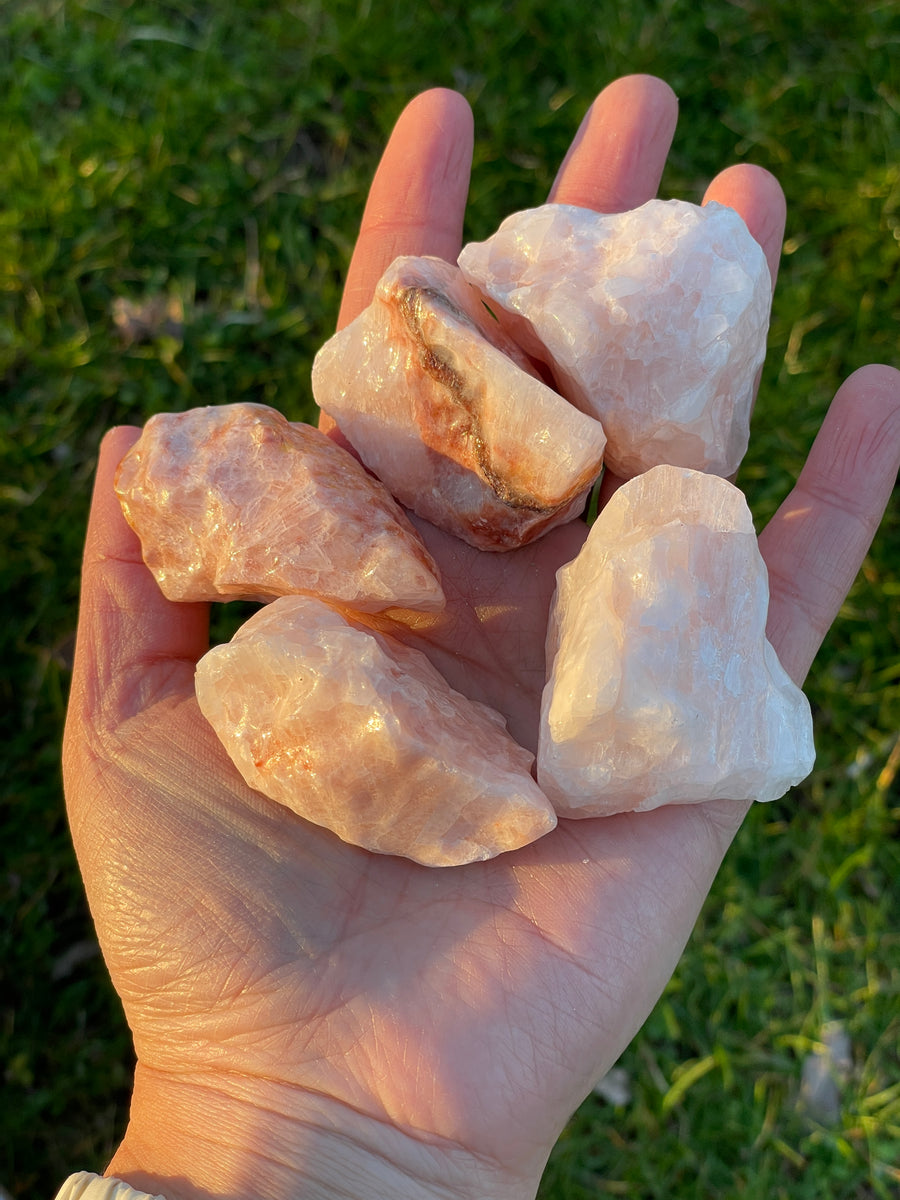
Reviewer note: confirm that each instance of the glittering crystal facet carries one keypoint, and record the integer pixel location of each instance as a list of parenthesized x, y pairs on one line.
[(654, 320), (663, 688), (236, 502), (450, 414), (359, 733)]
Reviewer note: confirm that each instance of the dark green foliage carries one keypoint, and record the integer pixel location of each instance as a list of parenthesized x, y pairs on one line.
[(201, 167)]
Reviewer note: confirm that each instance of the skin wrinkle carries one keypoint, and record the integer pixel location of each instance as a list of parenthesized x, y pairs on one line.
[(375, 1024), (819, 553), (622, 954), (173, 980), (623, 161), (666, 891), (220, 924), (424, 1137), (338, 1128), (149, 681), (241, 978), (825, 495), (723, 818), (784, 588), (571, 958), (136, 678), (580, 1064)]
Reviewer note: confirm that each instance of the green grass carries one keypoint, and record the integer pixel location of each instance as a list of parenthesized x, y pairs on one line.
[(214, 158)]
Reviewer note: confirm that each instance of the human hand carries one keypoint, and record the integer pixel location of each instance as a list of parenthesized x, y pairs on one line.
[(311, 1019)]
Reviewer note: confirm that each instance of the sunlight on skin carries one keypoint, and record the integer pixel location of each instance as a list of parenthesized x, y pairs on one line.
[(314, 1020), (485, 613), (798, 512)]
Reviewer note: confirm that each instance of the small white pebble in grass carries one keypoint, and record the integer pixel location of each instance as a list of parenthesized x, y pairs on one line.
[(73, 957), (615, 1087), (825, 1074), (142, 321), (861, 764)]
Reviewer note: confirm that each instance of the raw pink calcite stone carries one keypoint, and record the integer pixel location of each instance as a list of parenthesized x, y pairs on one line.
[(450, 414), (653, 320), (236, 502), (360, 734), (663, 688)]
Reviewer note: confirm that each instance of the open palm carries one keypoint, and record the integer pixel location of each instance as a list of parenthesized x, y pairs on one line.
[(313, 1019)]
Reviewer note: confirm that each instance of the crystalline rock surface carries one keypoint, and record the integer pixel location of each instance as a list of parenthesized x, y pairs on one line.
[(663, 688), (653, 320), (359, 733), (451, 415), (236, 502)]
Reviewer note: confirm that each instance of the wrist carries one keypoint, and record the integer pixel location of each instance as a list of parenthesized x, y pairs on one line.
[(192, 1138)]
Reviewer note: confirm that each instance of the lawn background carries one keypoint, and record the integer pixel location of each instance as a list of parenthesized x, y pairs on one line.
[(204, 166)]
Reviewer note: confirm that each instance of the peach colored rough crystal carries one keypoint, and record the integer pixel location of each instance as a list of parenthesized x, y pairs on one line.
[(235, 502), (662, 687), (450, 414), (360, 734), (653, 320)]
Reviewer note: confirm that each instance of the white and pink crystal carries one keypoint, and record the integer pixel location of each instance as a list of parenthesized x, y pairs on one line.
[(662, 687), (653, 320), (450, 414), (236, 502), (358, 733)]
